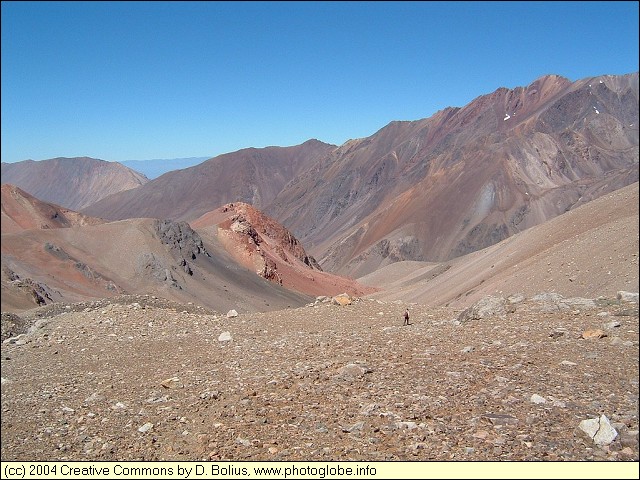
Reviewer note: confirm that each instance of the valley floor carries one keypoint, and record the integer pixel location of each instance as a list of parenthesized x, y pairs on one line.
[(140, 381)]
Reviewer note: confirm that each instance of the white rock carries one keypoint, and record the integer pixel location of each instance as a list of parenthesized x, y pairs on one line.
[(628, 296), (599, 429), (535, 398), (225, 337), (146, 427), (354, 370), (407, 425)]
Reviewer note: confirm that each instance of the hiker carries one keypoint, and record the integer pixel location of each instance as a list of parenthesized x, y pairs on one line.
[(406, 317)]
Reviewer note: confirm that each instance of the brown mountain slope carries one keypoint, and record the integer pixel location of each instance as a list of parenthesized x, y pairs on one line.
[(589, 251), (71, 182), (142, 256), (466, 178), (264, 246), (21, 211), (252, 175)]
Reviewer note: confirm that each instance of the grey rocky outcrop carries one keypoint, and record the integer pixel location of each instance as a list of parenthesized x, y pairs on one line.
[(554, 301), (183, 242), (488, 306), (147, 264)]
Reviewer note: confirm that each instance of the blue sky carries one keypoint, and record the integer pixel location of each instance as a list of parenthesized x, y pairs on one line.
[(141, 80)]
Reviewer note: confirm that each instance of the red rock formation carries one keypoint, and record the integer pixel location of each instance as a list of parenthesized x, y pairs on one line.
[(263, 245)]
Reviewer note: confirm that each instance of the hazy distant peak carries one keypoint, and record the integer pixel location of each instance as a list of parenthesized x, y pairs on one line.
[(72, 183)]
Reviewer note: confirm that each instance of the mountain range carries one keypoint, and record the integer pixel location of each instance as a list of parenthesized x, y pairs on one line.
[(407, 211)]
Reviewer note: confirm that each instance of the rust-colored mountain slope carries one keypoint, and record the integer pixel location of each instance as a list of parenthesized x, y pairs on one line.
[(252, 175), (72, 183), (21, 211)]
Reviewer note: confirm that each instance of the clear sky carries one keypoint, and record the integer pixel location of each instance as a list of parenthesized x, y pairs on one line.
[(141, 80)]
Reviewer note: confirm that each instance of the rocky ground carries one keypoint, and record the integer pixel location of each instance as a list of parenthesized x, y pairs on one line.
[(139, 378)]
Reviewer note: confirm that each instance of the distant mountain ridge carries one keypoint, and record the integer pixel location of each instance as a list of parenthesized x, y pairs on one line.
[(157, 167), (251, 175), (72, 183)]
